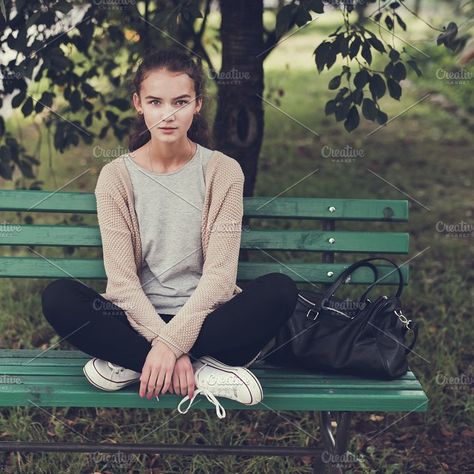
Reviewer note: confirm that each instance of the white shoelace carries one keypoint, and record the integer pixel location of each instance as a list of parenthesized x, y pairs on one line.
[(116, 368), (220, 410)]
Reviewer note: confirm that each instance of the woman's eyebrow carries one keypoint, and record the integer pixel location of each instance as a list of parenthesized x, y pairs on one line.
[(159, 98)]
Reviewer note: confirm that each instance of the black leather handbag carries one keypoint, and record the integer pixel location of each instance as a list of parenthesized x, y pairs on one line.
[(365, 338)]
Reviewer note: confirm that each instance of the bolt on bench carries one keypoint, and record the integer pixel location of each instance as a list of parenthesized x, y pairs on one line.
[(54, 378)]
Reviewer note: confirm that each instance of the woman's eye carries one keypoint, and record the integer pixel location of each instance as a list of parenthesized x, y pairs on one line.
[(183, 101), (155, 100)]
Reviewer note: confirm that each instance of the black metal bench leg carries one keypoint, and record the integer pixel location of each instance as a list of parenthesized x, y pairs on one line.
[(333, 457)]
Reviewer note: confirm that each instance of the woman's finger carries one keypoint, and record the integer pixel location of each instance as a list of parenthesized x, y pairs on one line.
[(152, 383), (144, 380), (167, 382), (183, 383), (190, 381), (176, 382), (159, 383)]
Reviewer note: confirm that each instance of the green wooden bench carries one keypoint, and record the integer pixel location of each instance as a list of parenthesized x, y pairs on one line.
[(54, 378)]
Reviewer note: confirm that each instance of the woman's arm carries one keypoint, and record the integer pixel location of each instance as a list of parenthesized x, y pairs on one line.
[(123, 284)]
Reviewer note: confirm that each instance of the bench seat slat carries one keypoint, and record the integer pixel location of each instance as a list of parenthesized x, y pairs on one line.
[(35, 267), (281, 207), (83, 394), (73, 375), (55, 378), (303, 240)]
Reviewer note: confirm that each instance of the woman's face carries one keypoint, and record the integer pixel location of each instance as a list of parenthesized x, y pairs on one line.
[(167, 100)]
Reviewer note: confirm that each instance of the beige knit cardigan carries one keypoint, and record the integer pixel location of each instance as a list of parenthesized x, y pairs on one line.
[(220, 238)]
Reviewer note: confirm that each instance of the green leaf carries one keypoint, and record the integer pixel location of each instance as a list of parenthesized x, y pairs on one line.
[(368, 109), (354, 47), (401, 22), (377, 44), (5, 154), (75, 100), (47, 98), (399, 71), (448, 35), (18, 99), (414, 66), (111, 116), (88, 90), (38, 106), (394, 89), (361, 79), (330, 107), (341, 93), (352, 120), (316, 5), (331, 56), (377, 86), (5, 170), (335, 82), (388, 71), (366, 53), (27, 107), (357, 96), (285, 19), (26, 169), (302, 16), (381, 117), (121, 104), (343, 109), (321, 54), (394, 55)]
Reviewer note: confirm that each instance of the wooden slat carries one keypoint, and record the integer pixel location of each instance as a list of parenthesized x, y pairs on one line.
[(36, 267), (47, 201), (304, 240), (52, 235), (54, 378), (281, 207), (319, 208), (319, 241)]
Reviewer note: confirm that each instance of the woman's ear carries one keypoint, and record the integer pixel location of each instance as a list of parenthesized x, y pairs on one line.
[(136, 103), (198, 105)]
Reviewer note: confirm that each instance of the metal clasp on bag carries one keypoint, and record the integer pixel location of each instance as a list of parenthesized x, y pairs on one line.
[(316, 313), (406, 322)]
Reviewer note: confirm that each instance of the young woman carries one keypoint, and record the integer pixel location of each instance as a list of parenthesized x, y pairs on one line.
[(170, 215)]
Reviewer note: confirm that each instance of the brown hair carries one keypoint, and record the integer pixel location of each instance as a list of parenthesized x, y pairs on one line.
[(174, 60)]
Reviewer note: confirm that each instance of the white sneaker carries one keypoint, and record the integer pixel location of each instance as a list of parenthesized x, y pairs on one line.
[(214, 378), (108, 376)]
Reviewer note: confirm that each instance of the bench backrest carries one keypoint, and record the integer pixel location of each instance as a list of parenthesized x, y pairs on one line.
[(328, 240)]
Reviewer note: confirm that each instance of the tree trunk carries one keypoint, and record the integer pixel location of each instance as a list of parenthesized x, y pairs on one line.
[(238, 128)]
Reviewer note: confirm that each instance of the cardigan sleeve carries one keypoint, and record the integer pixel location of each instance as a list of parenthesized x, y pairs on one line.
[(123, 283), (217, 283)]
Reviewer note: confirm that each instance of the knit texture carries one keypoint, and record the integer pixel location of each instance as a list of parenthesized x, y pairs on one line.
[(221, 228)]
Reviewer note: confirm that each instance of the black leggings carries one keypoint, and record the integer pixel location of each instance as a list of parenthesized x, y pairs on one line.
[(233, 333)]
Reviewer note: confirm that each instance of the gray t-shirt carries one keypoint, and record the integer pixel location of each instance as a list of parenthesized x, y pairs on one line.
[(169, 211)]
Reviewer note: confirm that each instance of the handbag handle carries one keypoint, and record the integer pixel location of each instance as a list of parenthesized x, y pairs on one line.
[(414, 329), (400, 278), (348, 271)]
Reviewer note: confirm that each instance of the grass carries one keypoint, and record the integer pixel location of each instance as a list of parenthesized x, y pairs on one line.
[(421, 157)]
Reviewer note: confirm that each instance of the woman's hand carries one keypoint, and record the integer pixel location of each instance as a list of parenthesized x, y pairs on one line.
[(157, 371), (183, 377)]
